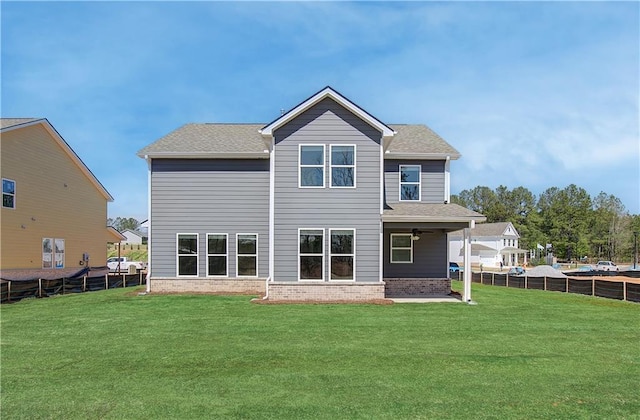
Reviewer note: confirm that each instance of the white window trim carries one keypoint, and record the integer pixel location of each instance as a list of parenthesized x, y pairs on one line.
[(226, 255), (419, 183), (353, 255), (331, 166), (311, 255), (197, 255), (51, 254), (13, 195), (247, 255), (391, 248), (324, 165)]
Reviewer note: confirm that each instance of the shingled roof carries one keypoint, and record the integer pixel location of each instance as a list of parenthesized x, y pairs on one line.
[(211, 140), (10, 122)]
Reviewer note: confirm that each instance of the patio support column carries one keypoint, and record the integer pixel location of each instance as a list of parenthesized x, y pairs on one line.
[(466, 274)]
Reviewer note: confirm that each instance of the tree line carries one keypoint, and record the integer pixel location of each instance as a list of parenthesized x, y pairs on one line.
[(123, 223), (575, 224)]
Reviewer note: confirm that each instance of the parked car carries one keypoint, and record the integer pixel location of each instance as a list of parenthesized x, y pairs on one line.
[(123, 264), (454, 267), (516, 271), (606, 266)]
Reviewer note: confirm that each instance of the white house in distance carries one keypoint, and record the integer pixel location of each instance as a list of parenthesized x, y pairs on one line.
[(491, 243), (134, 237)]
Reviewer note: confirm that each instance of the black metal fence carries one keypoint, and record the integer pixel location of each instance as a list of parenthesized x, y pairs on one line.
[(15, 290), (612, 289)]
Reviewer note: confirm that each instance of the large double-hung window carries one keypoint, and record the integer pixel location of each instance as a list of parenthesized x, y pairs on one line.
[(410, 182), (311, 171), (343, 254), (311, 254), (217, 253), (343, 166), (187, 254), (247, 255)]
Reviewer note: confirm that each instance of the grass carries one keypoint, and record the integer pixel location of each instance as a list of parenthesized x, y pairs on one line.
[(517, 354)]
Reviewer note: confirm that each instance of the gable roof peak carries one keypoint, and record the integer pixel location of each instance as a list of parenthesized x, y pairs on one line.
[(327, 92)]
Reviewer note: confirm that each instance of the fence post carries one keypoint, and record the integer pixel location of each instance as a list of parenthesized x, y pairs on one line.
[(106, 282), (493, 278), (9, 291), (526, 286), (124, 278), (545, 282), (84, 283), (63, 285), (566, 285), (624, 290), (507, 280), (39, 287), (593, 286)]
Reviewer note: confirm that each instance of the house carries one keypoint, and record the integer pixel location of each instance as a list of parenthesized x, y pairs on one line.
[(133, 237), (324, 203), (491, 244), (54, 209)]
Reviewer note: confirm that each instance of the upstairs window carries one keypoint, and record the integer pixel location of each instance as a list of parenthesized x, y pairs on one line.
[(311, 171), (410, 182), (187, 254), (8, 193), (343, 166)]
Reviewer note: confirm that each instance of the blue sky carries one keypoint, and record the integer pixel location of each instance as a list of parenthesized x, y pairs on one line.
[(533, 94)]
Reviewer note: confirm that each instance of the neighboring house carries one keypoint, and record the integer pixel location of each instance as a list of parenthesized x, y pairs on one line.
[(133, 237), (324, 203), (491, 243), (54, 210)]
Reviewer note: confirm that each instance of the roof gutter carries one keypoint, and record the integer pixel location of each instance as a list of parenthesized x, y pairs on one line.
[(436, 219), (205, 155), (420, 156)]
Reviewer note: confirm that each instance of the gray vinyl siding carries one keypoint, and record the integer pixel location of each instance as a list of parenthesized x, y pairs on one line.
[(429, 257), (354, 208), (208, 196), (433, 180)]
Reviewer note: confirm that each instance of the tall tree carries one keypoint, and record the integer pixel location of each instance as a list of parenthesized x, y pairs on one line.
[(122, 223), (566, 218)]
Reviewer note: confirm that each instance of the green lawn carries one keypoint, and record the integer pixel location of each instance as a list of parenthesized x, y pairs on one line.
[(517, 354)]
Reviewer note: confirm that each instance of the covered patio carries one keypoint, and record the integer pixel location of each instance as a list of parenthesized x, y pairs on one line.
[(415, 249)]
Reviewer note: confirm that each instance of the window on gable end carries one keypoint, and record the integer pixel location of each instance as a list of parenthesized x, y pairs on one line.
[(311, 166), (343, 166)]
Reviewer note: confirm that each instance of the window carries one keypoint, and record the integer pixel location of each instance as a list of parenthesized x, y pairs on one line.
[(247, 255), (59, 253), (311, 166), (187, 254), (217, 252), (8, 193), (311, 252), (342, 254), (401, 248), (410, 182), (343, 166), (47, 253)]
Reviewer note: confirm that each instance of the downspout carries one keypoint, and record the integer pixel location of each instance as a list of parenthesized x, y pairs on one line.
[(381, 239), (148, 290), (272, 213)]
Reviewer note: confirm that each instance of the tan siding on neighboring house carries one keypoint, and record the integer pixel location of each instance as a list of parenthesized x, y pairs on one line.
[(54, 199)]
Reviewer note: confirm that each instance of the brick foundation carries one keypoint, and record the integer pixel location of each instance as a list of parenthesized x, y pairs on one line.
[(207, 285), (325, 292), (423, 287)]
